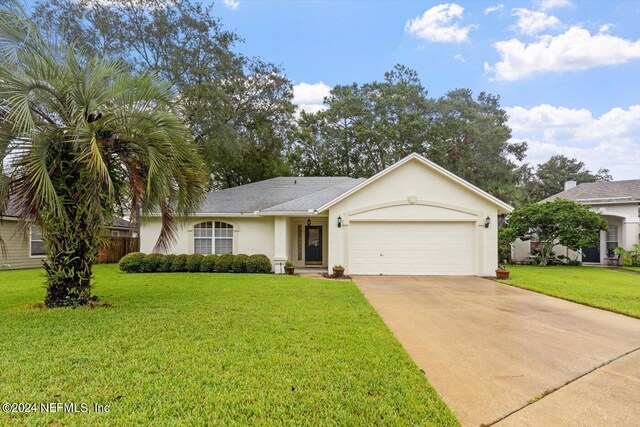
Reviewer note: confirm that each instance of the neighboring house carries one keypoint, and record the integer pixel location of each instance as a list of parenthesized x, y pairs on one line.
[(617, 201), (412, 218), (29, 252)]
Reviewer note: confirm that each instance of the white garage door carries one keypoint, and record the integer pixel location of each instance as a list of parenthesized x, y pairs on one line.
[(418, 248)]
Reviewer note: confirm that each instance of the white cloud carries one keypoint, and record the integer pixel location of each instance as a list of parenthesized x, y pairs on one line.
[(553, 4), (309, 96), (576, 49), (532, 22), (604, 29), (492, 9), (459, 57), (439, 24), (231, 4), (609, 141)]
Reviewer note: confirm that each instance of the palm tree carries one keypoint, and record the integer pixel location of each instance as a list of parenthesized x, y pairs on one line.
[(84, 138)]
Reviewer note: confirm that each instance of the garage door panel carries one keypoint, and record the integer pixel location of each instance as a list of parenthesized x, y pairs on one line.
[(411, 248)]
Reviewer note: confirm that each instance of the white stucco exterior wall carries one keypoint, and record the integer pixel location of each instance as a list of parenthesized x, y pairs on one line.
[(251, 235), (413, 192)]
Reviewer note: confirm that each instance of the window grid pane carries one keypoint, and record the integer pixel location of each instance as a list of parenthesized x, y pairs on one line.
[(202, 246), (224, 246)]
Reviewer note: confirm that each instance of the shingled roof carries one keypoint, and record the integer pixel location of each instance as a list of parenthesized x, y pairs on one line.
[(603, 191), (282, 194)]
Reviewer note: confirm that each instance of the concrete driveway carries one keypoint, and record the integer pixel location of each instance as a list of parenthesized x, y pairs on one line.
[(506, 356)]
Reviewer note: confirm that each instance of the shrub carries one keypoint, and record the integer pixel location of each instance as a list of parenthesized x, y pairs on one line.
[(258, 264), (132, 262), (239, 264), (165, 264), (223, 263), (193, 262), (151, 263), (179, 264), (208, 263)]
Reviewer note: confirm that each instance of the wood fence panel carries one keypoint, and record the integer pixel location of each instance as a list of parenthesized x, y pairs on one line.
[(116, 248)]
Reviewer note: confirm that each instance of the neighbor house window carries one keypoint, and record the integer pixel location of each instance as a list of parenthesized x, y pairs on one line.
[(612, 240), (36, 244), (534, 245), (213, 237)]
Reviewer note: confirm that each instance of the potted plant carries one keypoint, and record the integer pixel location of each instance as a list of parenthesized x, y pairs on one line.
[(289, 268), (502, 273), (338, 271)]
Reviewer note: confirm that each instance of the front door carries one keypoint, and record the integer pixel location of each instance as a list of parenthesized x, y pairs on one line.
[(313, 245), (591, 254)]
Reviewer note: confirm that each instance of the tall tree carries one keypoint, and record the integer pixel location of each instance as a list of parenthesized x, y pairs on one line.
[(86, 137), (239, 109), (470, 137), (367, 127), (550, 177)]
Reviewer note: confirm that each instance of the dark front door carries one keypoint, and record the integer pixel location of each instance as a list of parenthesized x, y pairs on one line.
[(591, 254), (313, 244)]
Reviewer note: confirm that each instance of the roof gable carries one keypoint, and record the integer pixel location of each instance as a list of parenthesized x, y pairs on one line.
[(502, 206)]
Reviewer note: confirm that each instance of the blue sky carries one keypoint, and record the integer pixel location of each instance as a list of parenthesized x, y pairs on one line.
[(567, 71)]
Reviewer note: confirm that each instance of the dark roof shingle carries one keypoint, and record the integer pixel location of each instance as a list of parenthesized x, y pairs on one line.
[(613, 190), (278, 194)]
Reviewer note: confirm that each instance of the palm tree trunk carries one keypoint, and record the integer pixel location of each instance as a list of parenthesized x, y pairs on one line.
[(69, 273)]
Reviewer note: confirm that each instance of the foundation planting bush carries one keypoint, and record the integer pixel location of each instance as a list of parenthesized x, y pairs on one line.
[(258, 264), (137, 262), (208, 263), (239, 264)]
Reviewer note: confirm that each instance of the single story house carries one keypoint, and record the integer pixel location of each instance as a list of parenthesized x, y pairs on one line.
[(29, 251), (617, 201), (414, 217)]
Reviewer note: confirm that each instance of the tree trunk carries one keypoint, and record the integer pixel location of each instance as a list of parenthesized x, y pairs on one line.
[(69, 273)]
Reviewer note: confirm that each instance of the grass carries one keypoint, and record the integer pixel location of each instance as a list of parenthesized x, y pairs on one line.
[(594, 286), (216, 349), (636, 269)]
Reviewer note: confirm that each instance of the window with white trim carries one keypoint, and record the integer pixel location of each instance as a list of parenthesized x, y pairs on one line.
[(213, 237), (612, 240), (36, 243)]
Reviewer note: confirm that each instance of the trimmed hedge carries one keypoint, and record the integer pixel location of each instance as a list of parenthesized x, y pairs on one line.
[(239, 264), (193, 262), (223, 263), (208, 263), (258, 264), (179, 264), (132, 262), (137, 262)]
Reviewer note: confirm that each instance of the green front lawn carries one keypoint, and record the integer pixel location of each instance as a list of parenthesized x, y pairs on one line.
[(595, 286), (179, 348), (636, 269)]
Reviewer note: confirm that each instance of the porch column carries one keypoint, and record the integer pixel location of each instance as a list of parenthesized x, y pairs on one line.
[(280, 240), (629, 233)]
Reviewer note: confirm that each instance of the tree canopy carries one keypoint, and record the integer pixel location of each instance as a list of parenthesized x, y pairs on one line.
[(560, 222), (550, 177), (367, 127), (238, 109)]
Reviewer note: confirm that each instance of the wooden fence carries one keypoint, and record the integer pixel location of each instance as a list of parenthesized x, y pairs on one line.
[(116, 248)]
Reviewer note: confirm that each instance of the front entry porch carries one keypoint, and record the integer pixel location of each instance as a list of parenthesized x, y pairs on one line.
[(621, 232), (303, 240)]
